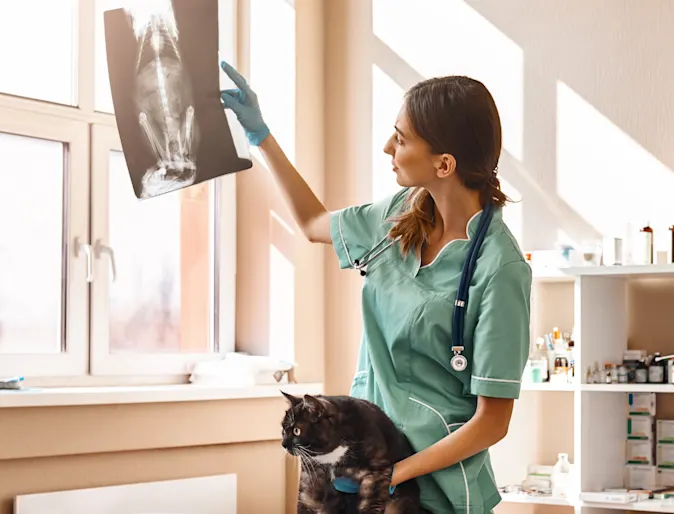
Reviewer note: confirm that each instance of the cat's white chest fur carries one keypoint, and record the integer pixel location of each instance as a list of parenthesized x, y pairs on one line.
[(333, 457)]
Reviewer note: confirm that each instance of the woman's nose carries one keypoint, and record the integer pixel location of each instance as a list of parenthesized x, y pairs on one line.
[(388, 147)]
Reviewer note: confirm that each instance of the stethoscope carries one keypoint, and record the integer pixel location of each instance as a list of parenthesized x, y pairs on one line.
[(459, 362)]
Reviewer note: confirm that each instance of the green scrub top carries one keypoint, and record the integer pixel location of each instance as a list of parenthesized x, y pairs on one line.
[(404, 358)]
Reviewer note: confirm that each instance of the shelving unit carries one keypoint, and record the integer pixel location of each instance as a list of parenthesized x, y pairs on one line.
[(611, 309)]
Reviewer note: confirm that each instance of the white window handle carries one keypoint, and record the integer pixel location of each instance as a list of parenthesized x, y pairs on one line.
[(88, 253), (99, 249)]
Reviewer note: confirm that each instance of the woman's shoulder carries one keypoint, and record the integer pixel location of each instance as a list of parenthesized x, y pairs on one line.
[(396, 203), (505, 251)]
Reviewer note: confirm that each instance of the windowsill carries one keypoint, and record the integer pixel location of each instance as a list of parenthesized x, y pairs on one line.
[(69, 396)]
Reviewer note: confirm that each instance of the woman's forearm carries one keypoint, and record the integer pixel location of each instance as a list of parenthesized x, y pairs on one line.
[(481, 432), (309, 213)]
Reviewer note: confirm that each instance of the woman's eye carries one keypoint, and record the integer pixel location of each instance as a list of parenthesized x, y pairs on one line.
[(296, 431)]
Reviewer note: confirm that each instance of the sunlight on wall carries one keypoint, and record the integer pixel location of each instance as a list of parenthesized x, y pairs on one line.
[(386, 101), (272, 68), (281, 305), (457, 40), (512, 212), (606, 176)]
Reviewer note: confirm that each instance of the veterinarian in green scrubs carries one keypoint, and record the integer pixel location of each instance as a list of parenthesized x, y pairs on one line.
[(453, 402)]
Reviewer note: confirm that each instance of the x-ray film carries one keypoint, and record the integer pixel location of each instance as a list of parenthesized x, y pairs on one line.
[(164, 74)]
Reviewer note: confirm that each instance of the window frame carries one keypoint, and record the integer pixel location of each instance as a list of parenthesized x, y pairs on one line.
[(72, 361), (103, 141), (90, 135)]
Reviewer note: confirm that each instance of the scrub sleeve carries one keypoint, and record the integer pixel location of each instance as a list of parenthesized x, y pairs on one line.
[(353, 229), (501, 338)]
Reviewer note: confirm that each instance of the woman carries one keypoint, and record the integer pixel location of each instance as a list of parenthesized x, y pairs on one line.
[(444, 151)]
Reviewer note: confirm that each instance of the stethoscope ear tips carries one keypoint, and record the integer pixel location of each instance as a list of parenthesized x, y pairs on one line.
[(362, 273)]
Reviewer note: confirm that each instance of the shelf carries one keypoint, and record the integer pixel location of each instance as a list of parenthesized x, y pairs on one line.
[(643, 506), (552, 277), (600, 388), (628, 388), (546, 386), (534, 500), (632, 271)]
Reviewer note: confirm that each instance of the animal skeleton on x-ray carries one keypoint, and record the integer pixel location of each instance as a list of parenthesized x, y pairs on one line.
[(165, 104)]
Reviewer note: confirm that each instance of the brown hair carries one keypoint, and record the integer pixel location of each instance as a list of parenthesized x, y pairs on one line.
[(455, 115)]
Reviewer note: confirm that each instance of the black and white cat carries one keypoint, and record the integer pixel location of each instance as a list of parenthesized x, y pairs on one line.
[(341, 436)]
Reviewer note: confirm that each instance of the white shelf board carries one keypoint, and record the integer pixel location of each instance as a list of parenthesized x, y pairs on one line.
[(629, 388), (553, 278), (632, 271), (547, 386), (62, 396), (643, 506), (535, 500)]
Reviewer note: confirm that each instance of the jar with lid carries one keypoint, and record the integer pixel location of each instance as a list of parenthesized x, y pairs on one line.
[(622, 374), (656, 371)]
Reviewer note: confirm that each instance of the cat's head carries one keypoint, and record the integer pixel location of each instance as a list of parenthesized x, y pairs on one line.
[(310, 426)]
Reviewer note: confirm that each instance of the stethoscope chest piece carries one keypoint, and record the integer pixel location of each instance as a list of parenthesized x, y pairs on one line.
[(458, 362)]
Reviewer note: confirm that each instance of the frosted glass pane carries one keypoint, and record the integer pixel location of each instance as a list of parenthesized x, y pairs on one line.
[(38, 49), (31, 245), (162, 298)]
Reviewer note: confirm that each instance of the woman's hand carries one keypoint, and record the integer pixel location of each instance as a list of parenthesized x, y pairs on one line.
[(243, 102)]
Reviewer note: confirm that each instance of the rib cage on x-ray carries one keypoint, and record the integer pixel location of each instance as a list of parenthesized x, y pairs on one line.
[(166, 107)]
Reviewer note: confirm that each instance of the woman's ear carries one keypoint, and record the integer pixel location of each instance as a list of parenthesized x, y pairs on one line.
[(445, 165)]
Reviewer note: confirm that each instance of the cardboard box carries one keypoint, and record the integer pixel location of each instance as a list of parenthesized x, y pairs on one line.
[(640, 452), (665, 431), (639, 427), (641, 404), (639, 476)]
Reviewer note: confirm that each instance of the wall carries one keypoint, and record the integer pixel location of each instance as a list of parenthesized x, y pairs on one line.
[(47, 449)]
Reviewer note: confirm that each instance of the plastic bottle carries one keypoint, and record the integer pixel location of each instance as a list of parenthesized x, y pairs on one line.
[(561, 476), (646, 244)]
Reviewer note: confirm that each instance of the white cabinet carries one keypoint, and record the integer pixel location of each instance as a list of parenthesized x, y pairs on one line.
[(611, 309)]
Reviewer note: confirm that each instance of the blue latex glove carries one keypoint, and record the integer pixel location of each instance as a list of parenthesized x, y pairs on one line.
[(243, 102)]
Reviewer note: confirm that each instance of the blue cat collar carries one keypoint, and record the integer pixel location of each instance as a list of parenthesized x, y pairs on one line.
[(346, 485)]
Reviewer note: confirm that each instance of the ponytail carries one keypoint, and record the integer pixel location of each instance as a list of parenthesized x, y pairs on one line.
[(491, 192), (415, 224)]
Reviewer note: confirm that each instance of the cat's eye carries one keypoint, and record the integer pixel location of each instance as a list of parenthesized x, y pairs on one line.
[(297, 431)]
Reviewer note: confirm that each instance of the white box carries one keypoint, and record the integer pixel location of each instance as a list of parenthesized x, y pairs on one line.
[(665, 431), (665, 477), (638, 476), (641, 404), (665, 456), (620, 497), (640, 427), (639, 452)]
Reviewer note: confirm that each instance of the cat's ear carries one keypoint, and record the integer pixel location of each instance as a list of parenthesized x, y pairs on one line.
[(315, 405), (292, 400)]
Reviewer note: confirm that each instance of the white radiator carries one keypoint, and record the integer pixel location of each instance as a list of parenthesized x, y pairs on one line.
[(203, 495)]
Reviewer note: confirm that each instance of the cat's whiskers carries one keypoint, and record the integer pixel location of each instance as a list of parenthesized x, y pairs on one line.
[(307, 463)]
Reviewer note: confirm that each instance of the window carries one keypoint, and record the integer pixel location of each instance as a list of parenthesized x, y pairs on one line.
[(39, 39), (94, 281)]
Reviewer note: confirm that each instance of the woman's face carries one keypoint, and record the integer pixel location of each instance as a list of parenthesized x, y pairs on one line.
[(413, 162)]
